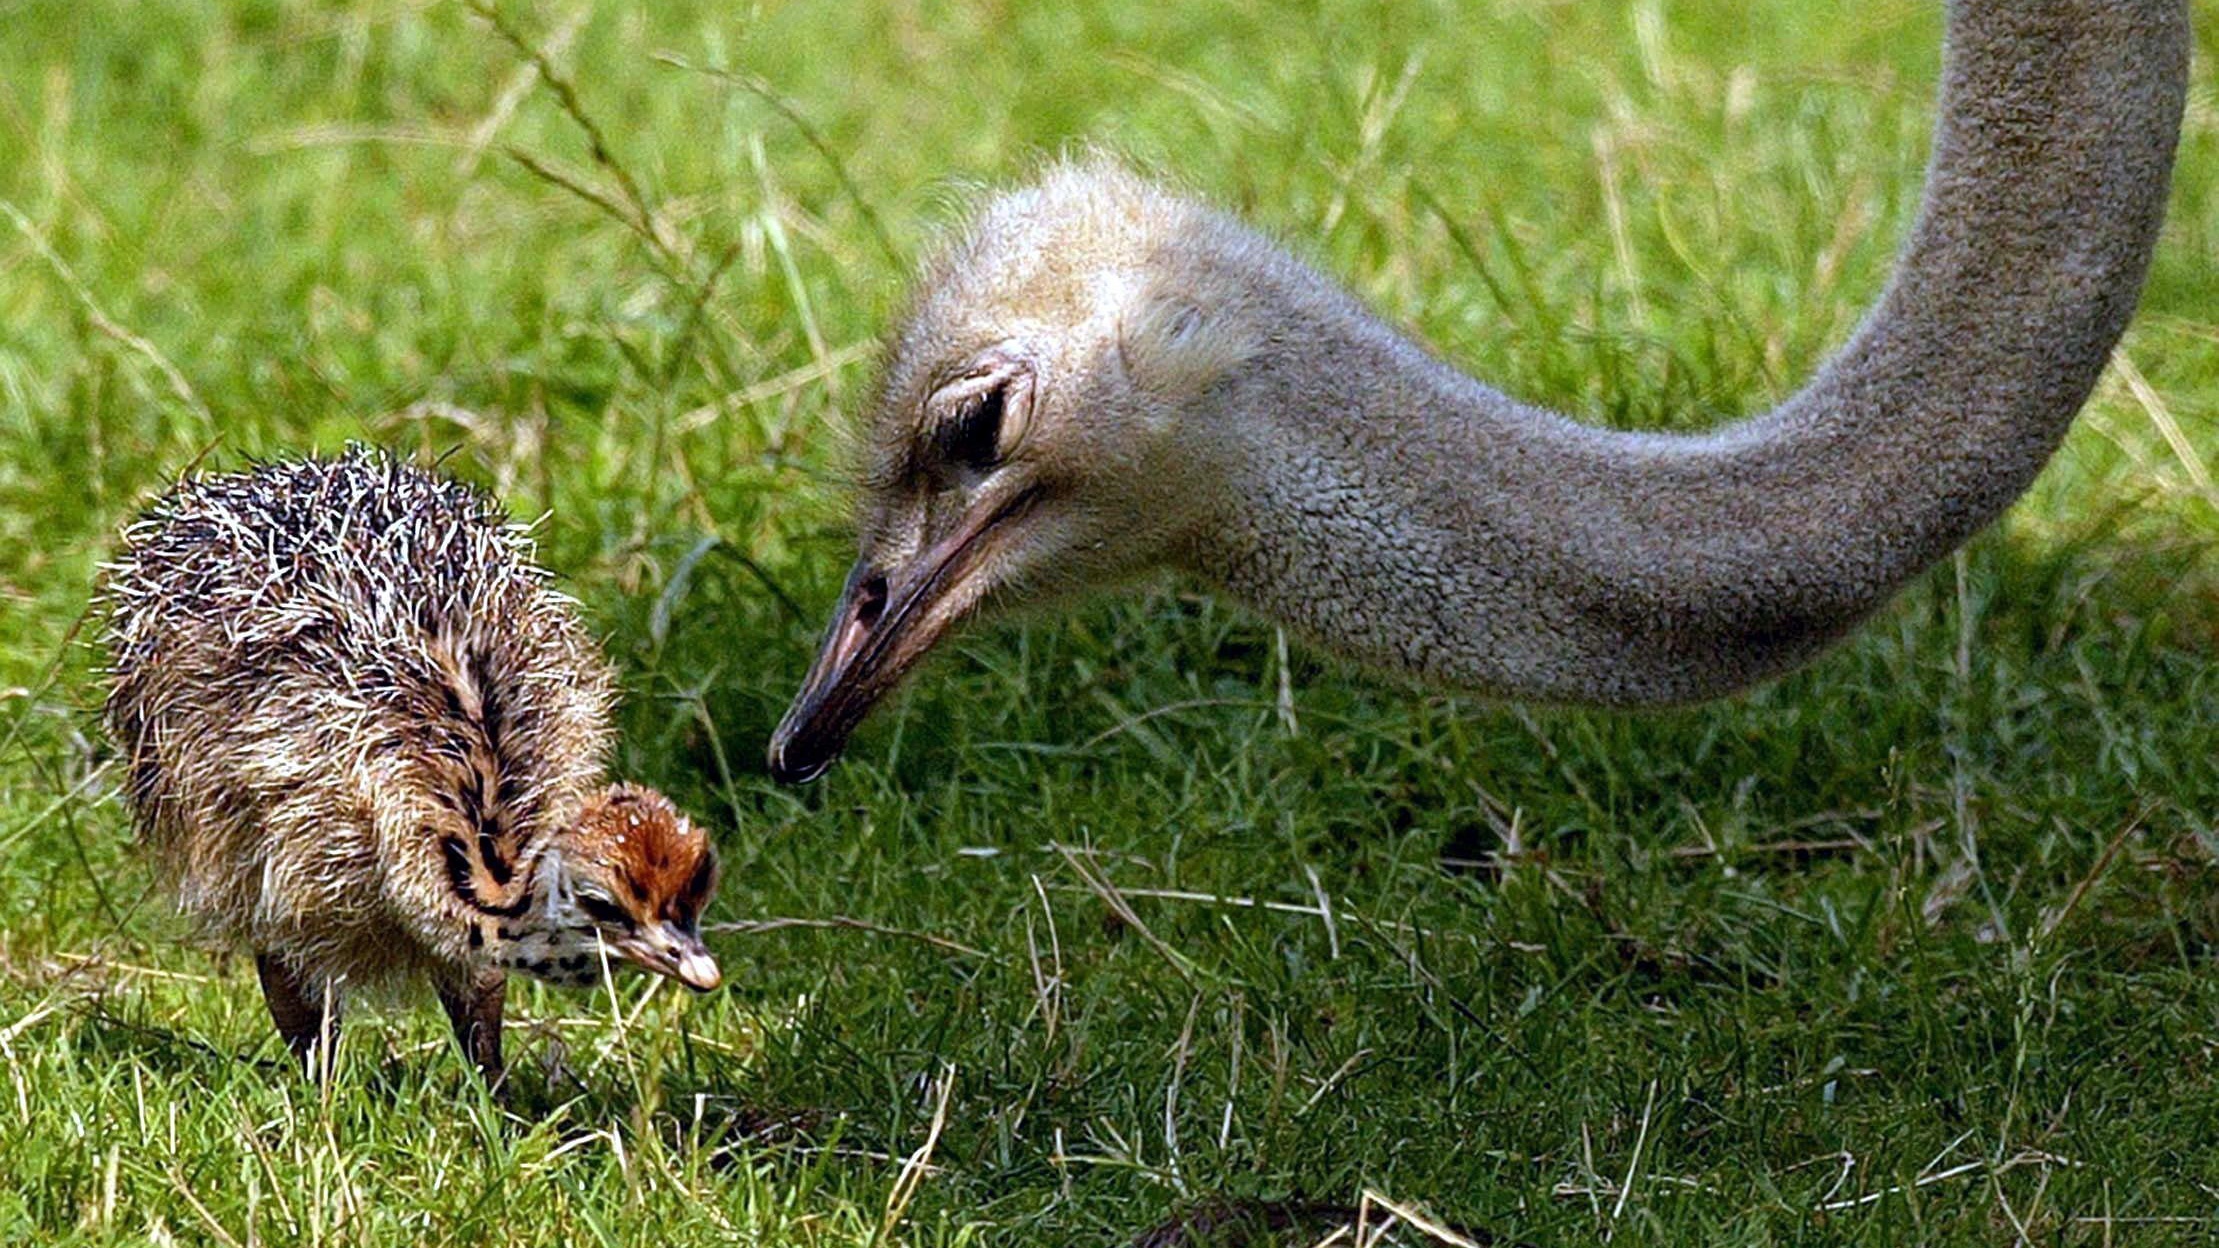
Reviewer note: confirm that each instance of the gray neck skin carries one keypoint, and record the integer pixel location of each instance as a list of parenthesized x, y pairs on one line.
[(1409, 517)]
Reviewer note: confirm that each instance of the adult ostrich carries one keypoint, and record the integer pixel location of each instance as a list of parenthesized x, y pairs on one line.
[(1101, 378)]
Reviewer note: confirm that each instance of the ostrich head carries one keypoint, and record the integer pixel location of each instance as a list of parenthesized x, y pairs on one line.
[(1042, 427)]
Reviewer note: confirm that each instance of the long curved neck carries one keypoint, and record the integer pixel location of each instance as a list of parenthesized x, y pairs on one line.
[(1410, 517)]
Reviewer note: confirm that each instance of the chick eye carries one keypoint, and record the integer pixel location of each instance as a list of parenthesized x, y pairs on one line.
[(603, 911), (971, 439)]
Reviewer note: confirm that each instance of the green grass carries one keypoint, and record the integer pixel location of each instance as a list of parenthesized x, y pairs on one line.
[(1915, 946)]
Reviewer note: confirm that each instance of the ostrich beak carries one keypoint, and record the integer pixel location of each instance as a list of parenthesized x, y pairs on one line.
[(886, 620)]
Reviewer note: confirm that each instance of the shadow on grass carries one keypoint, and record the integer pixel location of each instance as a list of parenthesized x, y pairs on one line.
[(167, 1051)]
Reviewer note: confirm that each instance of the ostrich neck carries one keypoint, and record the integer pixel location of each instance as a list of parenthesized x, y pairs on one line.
[(1412, 518)]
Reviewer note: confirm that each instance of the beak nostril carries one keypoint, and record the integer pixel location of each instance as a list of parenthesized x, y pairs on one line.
[(870, 600)]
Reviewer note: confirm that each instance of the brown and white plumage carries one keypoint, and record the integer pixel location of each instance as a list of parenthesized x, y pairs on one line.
[(365, 739)]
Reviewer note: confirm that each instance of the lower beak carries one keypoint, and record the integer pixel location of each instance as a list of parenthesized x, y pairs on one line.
[(680, 955), (883, 625)]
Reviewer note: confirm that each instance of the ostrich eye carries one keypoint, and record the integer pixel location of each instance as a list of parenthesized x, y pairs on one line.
[(981, 418), (971, 438)]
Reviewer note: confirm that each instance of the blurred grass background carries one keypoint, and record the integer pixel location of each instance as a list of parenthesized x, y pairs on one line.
[(1914, 946)]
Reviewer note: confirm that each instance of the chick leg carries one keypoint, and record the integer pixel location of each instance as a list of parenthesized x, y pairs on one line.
[(299, 1009), (473, 1005)]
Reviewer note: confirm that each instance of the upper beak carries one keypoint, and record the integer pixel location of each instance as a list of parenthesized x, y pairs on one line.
[(884, 623), (670, 950)]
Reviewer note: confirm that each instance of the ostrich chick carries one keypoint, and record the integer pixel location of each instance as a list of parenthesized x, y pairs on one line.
[(366, 741)]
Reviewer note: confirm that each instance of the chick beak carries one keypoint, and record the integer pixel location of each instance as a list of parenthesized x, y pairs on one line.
[(697, 969), (678, 953), (885, 622)]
